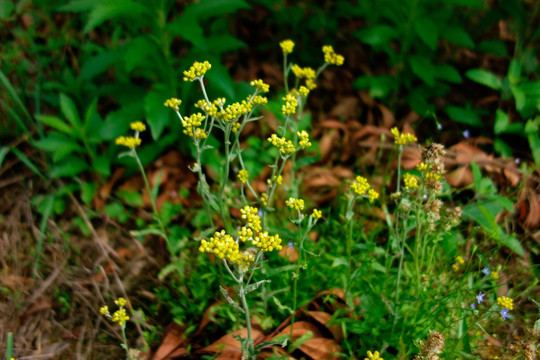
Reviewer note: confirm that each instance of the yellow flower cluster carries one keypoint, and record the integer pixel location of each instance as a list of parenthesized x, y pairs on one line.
[(505, 302), (278, 180), (173, 103), (120, 315), (459, 262), (191, 126), (245, 234), (330, 57), (259, 100), (361, 187), (402, 139), (196, 71), (243, 176), (300, 72), (373, 356), (290, 105), (260, 86), (137, 126), (295, 204), (234, 111), (287, 46), (128, 141), (209, 108), (251, 217), (303, 91), (264, 199), (422, 166), (285, 146), (433, 176), (303, 139), (316, 214), (222, 245), (410, 181), (267, 242)]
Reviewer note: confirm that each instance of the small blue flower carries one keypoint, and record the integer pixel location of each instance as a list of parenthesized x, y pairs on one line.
[(466, 134), (504, 314), (290, 244), (473, 306), (425, 197), (480, 297), (486, 271), (260, 213)]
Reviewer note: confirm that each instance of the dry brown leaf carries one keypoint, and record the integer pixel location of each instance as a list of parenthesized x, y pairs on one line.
[(321, 348), (172, 340), (533, 217), (228, 346), (289, 253), (462, 176), (323, 318), (346, 108)]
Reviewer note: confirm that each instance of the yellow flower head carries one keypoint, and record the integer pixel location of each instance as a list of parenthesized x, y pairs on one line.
[(137, 126), (267, 242), (234, 111), (251, 217), (410, 181), (372, 195), (120, 302), (330, 57), (120, 316), (285, 146), (260, 86), (222, 245), (290, 105), (264, 199), (303, 91), (191, 126), (197, 71), (402, 139), (277, 179), (245, 234), (494, 275), (259, 100), (300, 73), (210, 108), (422, 166), (173, 103), (295, 204), (104, 310), (360, 186), (243, 176), (460, 260), (287, 46), (316, 214), (505, 302), (373, 356), (128, 141), (303, 138)]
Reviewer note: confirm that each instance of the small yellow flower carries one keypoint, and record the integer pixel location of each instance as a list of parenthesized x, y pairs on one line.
[(267, 242), (104, 310), (316, 214), (259, 100), (304, 91), (173, 103), (197, 71), (402, 139), (330, 57), (360, 186), (290, 105), (372, 195), (494, 275), (421, 166), (120, 316), (410, 181), (260, 86), (128, 141), (303, 139), (505, 302), (243, 176), (264, 199), (460, 260), (373, 356), (306, 72), (137, 126), (285, 146), (251, 216), (296, 204), (120, 302), (287, 46), (278, 180)]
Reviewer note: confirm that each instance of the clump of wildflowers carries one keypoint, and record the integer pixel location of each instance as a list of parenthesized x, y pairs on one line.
[(260, 86), (330, 57), (197, 71), (251, 217), (287, 46), (137, 126), (410, 181), (277, 179), (303, 72), (505, 302), (459, 262), (267, 242), (361, 187), (402, 138), (119, 315)]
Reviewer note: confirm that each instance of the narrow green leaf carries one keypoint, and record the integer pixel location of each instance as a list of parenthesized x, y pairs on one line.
[(113, 9), (158, 116), (56, 123), (457, 36), (448, 73), (14, 95), (26, 161), (149, 231), (501, 122), (514, 71), (423, 68), (485, 78), (427, 31), (308, 335), (3, 152), (378, 35), (464, 116), (69, 110), (49, 201)]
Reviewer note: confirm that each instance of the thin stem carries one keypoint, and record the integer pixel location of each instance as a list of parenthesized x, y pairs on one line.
[(251, 347), (124, 338), (400, 149)]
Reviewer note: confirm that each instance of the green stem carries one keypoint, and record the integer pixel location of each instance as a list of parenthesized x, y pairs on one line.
[(9, 349), (124, 338), (251, 347), (400, 150)]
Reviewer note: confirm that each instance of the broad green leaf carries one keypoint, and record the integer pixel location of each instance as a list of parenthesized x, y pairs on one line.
[(379, 86), (376, 35), (340, 262), (139, 53), (519, 96), (117, 211), (100, 63), (189, 29), (448, 73), (423, 68), (69, 110), (502, 148), (70, 166), (205, 9), (301, 340), (6, 9), (88, 190), (457, 36), (79, 5), (224, 43), (220, 78), (56, 123), (464, 116), (514, 71), (511, 242), (485, 78), (59, 145), (501, 122), (113, 9), (102, 165), (493, 47), (427, 31), (157, 115), (130, 197)]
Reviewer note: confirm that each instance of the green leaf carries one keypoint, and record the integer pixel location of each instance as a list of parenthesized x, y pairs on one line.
[(155, 188), (113, 9), (457, 36), (4, 80), (519, 96), (501, 122), (532, 131), (340, 262), (308, 335), (224, 43), (149, 231), (493, 47), (514, 71), (281, 306), (116, 211), (6, 9), (102, 165), (3, 152), (427, 31), (100, 63), (26, 161), (130, 197), (158, 116), (70, 112), (379, 86), (47, 209), (220, 78), (485, 78), (56, 123), (464, 116), (205, 9), (69, 166), (512, 243), (88, 190), (189, 29), (252, 287), (502, 148), (79, 5), (448, 73), (378, 35), (59, 145), (423, 68)]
